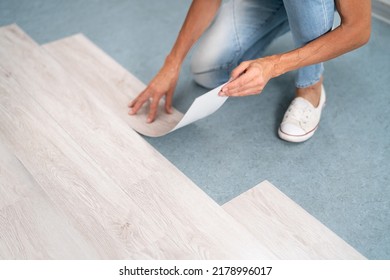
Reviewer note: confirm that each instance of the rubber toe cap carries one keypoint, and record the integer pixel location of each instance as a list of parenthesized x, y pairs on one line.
[(292, 129)]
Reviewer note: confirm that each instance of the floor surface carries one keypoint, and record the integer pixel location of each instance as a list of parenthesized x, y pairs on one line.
[(341, 176)]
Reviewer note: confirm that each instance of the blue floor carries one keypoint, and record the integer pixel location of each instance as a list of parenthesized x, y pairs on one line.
[(341, 176)]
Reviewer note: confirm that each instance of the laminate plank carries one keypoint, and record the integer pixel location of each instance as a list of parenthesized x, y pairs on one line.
[(101, 210), (96, 207), (165, 206), (121, 87), (169, 195), (117, 84), (290, 231), (28, 217), (12, 188)]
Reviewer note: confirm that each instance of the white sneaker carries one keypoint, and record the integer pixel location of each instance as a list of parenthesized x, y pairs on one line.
[(301, 119)]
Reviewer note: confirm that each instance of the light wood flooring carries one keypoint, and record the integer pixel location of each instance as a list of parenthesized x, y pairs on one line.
[(78, 183)]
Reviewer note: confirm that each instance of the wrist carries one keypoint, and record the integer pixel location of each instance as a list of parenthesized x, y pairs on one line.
[(173, 62), (271, 65), (277, 65)]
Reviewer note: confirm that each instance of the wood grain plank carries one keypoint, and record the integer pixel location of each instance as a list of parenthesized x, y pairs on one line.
[(94, 204), (117, 85), (290, 231), (12, 188), (170, 193), (99, 209), (28, 217), (163, 204)]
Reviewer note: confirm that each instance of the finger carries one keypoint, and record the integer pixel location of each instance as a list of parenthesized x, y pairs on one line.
[(153, 110), (168, 102), (137, 105), (257, 84), (132, 103), (142, 96), (249, 88), (246, 92), (241, 81), (240, 69)]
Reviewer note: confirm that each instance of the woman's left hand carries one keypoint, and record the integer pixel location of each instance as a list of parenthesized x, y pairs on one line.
[(249, 78)]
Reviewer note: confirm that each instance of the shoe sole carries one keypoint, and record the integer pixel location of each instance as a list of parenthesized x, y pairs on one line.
[(295, 138), (299, 138)]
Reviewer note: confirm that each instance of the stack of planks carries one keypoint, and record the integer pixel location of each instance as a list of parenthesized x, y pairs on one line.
[(78, 183)]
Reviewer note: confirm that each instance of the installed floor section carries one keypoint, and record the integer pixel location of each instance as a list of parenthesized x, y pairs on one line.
[(340, 176), (123, 197)]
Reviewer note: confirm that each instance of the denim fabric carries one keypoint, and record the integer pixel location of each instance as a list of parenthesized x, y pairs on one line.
[(243, 29)]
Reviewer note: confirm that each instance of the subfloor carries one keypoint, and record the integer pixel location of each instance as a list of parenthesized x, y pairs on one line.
[(341, 176)]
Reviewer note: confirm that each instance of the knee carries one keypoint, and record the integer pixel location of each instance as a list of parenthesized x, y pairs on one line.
[(207, 72), (216, 51), (208, 80), (311, 21)]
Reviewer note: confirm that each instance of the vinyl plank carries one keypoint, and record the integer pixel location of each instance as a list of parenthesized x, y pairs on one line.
[(28, 217), (120, 86), (169, 196), (93, 203), (163, 203), (12, 188), (96, 205), (288, 229)]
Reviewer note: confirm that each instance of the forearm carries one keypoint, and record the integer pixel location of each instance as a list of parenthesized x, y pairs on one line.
[(353, 32), (331, 45), (199, 17)]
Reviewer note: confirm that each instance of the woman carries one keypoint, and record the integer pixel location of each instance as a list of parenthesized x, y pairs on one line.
[(232, 46)]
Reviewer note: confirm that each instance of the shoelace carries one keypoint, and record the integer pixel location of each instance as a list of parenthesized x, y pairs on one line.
[(297, 110)]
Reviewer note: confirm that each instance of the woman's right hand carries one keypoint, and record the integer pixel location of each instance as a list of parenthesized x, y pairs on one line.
[(163, 84), (199, 17)]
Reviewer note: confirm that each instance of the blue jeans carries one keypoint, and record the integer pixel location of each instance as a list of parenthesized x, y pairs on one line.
[(243, 29)]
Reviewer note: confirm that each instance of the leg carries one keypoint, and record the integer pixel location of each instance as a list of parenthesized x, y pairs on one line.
[(308, 20), (241, 31)]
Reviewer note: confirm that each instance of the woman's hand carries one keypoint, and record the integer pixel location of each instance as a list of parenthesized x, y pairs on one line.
[(163, 84), (199, 17), (250, 77)]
